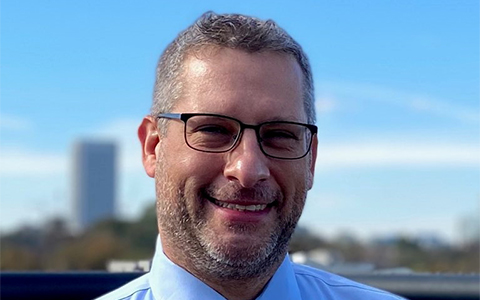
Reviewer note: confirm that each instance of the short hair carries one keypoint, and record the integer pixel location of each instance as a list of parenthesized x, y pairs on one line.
[(233, 31)]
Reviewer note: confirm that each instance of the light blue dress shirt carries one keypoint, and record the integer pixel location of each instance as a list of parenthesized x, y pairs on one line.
[(167, 281)]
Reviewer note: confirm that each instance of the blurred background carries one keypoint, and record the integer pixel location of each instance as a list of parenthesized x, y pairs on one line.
[(397, 181)]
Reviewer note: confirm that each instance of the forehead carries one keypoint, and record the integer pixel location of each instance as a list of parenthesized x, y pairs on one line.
[(260, 86)]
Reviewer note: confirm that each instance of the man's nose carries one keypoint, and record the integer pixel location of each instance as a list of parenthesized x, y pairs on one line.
[(246, 163)]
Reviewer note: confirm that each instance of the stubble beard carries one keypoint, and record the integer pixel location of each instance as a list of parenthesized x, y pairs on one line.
[(181, 219)]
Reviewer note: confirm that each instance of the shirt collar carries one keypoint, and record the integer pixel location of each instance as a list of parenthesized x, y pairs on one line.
[(169, 281), (283, 284)]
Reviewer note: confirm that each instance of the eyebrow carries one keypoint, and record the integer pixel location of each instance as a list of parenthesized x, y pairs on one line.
[(289, 118)]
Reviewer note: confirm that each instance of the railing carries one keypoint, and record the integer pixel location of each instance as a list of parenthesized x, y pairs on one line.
[(89, 285)]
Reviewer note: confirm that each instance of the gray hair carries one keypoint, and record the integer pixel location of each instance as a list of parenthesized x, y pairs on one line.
[(231, 31)]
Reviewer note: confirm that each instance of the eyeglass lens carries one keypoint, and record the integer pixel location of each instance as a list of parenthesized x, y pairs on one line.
[(218, 134)]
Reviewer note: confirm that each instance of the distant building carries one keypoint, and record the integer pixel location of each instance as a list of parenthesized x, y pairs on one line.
[(332, 261), (119, 266), (469, 229), (94, 182)]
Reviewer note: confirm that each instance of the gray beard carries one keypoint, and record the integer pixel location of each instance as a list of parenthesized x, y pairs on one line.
[(187, 229)]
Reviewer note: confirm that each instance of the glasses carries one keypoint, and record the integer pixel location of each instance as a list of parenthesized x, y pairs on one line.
[(216, 134)]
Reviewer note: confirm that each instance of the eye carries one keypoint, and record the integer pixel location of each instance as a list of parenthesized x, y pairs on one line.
[(212, 129), (279, 134)]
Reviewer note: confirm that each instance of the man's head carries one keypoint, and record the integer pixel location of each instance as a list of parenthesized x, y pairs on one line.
[(229, 195)]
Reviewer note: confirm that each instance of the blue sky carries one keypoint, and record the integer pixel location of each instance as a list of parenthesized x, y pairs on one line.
[(397, 89)]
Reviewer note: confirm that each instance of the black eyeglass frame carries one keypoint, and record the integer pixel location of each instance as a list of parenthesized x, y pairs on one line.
[(185, 116)]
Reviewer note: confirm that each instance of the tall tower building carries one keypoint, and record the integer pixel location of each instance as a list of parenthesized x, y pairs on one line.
[(94, 182)]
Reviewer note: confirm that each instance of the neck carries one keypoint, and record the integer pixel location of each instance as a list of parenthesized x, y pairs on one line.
[(231, 289), (240, 289)]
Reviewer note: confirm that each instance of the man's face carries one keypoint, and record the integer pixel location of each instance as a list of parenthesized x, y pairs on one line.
[(201, 197)]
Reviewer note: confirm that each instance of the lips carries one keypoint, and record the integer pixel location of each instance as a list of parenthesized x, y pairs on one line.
[(258, 207), (248, 206), (241, 200)]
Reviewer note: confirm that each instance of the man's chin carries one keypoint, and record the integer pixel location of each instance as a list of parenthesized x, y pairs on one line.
[(240, 236), (244, 248), (240, 260), (239, 246)]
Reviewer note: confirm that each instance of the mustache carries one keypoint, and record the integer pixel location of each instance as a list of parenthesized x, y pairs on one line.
[(235, 192)]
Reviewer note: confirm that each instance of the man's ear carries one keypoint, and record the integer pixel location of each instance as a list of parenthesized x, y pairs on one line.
[(313, 160), (149, 139)]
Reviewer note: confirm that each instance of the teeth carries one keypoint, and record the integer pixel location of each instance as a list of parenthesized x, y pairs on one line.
[(241, 207)]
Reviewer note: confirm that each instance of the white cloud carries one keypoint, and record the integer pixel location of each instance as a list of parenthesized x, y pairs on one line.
[(412, 101), (325, 104), (14, 123), (397, 154), (26, 163), (445, 109)]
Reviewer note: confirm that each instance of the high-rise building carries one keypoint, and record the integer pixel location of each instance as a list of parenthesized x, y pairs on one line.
[(94, 182)]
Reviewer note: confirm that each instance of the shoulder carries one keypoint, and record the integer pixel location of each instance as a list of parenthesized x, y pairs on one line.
[(313, 282), (137, 289)]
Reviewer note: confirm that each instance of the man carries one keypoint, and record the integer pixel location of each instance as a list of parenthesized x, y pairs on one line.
[(232, 147)]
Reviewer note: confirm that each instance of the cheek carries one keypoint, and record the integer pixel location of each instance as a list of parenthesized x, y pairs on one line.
[(191, 165), (293, 180)]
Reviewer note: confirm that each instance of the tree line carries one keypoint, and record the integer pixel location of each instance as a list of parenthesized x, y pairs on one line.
[(55, 248)]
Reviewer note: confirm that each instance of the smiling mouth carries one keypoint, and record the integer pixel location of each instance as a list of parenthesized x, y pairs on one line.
[(239, 207), (258, 207)]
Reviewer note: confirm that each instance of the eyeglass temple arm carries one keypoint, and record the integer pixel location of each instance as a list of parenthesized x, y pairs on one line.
[(169, 116)]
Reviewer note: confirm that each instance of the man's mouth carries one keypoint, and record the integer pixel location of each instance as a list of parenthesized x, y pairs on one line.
[(258, 207), (251, 202)]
